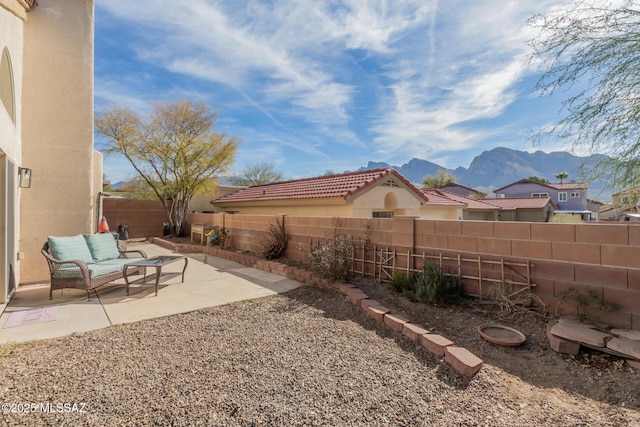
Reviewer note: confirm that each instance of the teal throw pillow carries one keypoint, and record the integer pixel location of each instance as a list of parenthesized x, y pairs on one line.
[(70, 248), (102, 246)]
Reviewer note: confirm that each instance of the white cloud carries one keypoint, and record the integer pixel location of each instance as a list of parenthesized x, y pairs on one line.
[(411, 75), (469, 74)]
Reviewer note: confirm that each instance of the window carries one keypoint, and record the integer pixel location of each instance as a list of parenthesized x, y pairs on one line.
[(575, 194), (540, 194), (562, 196), (6, 84), (383, 214)]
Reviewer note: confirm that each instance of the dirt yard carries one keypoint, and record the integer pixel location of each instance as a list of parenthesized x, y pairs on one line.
[(592, 374), (306, 358)]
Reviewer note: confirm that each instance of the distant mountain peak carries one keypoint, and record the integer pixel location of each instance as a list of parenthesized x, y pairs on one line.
[(501, 166)]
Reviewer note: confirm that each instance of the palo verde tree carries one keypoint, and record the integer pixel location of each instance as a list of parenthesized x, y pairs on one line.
[(174, 149), (257, 174), (591, 50), (440, 179)]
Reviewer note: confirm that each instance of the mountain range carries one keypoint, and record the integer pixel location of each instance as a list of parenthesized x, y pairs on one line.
[(501, 166)]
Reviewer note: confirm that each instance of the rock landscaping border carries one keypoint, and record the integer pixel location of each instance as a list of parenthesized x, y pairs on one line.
[(567, 334)]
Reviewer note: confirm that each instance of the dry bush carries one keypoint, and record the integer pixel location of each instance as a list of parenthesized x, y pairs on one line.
[(276, 240)]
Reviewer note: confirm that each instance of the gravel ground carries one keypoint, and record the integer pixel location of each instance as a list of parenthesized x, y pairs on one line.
[(308, 357)]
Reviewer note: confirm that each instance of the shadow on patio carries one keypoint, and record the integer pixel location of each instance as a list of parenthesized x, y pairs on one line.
[(209, 282)]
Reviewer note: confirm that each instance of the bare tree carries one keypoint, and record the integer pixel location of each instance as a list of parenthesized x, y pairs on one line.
[(174, 150), (257, 174), (592, 51)]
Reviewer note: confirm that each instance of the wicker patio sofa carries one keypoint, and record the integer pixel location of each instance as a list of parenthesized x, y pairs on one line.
[(86, 261)]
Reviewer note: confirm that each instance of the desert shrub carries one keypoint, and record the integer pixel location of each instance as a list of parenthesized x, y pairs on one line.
[(585, 299), (429, 285), (398, 282), (564, 218), (224, 238), (276, 240), (332, 259)]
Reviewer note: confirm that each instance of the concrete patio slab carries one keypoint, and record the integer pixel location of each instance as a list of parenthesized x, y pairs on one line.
[(209, 282)]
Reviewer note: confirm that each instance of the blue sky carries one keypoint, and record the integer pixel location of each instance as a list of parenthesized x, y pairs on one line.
[(313, 85)]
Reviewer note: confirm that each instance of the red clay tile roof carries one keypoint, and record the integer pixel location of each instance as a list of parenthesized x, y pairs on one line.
[(437, 197), (557, 186), (472, 204), (455, 184), (343, 185), (508, 203)]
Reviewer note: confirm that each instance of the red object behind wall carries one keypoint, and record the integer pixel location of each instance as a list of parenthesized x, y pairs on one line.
[(103, 226)]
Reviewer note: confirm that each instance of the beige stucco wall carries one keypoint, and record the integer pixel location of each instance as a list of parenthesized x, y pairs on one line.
[(474, 215), (374, 200), (11, 30), (11, 38), (317, 207), (362, 206), (97, 187), (57, 127), (440, 212)]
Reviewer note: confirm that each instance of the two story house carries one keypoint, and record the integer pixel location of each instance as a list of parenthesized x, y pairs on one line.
[(568, 197), (50, 174)]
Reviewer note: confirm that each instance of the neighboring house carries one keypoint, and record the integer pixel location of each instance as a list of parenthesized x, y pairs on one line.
[(623, 203), (470, 193), (595, 207), (202, 202), (475, 210), (608, 213), (378, 193), (46, 132), (527, 209), (568, 197)]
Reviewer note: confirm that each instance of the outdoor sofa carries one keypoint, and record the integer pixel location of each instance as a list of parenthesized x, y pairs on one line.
[(87, 261)]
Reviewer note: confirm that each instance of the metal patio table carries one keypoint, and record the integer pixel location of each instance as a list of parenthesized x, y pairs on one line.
[(158, 262)]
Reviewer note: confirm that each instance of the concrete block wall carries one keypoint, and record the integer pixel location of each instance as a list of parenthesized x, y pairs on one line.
[(144, 217), (598, 258)]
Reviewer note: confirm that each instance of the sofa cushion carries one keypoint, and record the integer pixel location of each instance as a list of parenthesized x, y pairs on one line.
[(72, 271), (96, 270), (70, 248), (102, 246)]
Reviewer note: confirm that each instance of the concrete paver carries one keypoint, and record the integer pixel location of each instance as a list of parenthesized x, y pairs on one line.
[(209, 282)]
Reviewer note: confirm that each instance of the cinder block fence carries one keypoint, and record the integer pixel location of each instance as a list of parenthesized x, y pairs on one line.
[(596, 263)]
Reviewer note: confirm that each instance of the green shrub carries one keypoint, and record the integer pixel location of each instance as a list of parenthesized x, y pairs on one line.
[(428, 285), (398, 282)]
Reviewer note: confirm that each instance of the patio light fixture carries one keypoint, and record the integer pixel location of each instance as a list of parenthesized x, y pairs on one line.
[(24, 177)]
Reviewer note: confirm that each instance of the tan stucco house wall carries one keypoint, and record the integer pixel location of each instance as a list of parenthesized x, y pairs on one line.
[(311, 207), (12, 15), (51, 49)]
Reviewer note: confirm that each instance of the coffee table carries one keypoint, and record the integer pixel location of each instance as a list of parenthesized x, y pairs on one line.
[(158, 262)]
